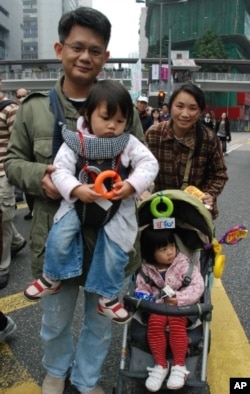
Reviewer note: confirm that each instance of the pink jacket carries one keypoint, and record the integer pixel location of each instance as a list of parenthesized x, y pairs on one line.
[(175, 275)]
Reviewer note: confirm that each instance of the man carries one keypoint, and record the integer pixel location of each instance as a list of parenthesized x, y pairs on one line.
[(207, 121), (146, 119), (13, 242), (164, 112), (84, 36)]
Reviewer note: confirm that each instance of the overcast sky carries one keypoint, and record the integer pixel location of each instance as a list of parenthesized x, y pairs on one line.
[(124, 16)]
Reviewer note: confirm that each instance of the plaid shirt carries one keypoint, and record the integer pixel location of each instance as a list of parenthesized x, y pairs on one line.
[(208, 171)]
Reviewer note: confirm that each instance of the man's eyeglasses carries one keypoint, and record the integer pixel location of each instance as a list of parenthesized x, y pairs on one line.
[(78, 48), (19, 97)]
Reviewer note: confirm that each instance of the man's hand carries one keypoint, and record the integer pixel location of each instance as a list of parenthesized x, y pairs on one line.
[(48, 186)]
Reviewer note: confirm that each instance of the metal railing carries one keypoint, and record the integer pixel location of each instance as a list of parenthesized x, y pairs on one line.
[(123, 74)]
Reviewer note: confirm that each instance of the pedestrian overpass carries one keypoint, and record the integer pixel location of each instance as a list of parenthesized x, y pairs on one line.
[(215, 82)]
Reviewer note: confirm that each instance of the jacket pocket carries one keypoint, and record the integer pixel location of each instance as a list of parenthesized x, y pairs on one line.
[(43, 150)]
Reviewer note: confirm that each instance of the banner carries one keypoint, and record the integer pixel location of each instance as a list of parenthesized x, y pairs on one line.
[(136, 78), (155, 72)]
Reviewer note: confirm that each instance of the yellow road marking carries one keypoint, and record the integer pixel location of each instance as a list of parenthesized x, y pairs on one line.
[(230, 350), (14, 379), (13, 303), (21, 205)]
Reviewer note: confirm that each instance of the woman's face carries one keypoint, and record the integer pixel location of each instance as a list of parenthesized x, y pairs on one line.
[(185, 112)]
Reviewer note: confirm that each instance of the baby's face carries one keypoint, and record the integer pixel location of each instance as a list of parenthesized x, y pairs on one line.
[(104, 126), (166, 254)]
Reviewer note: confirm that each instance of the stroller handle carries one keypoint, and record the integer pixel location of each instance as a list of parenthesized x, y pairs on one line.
[(164, 309)]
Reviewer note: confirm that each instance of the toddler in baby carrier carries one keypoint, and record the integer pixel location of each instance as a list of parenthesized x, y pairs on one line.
[(192, 226)]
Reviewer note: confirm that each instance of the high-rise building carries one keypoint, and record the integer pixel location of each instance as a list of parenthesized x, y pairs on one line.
[(190, 19), (11, 19), (40, 20)]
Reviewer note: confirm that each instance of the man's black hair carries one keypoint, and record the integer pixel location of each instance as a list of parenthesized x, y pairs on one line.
[(85, 17)]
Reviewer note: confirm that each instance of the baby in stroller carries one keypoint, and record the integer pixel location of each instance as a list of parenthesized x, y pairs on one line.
[(167, 275)]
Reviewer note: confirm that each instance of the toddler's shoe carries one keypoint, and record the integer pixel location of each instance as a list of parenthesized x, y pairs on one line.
[(155, 378), (114, 310), (40, 288), (177, 377)]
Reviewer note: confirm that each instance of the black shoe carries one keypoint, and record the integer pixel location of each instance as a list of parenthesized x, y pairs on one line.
[(17, 250), (19, 198), (4, 279), (29, 216)]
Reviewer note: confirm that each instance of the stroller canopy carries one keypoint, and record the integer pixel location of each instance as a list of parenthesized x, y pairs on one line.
[(193, 221)]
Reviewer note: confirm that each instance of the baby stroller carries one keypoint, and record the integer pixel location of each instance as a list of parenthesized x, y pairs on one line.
[(194, 231)]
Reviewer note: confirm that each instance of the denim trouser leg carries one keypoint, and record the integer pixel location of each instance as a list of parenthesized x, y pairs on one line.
[(107, 270), (64, 248), (56, 331), (92, 347)]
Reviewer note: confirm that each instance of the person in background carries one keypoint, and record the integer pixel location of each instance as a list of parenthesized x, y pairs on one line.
[(21, 93), (164, 112), (155, 113), (13, 242), (164, 265), (7, 325), (207, 121), (145, 118), (187, 152), (84, 34), (222, 129), (149, 110)]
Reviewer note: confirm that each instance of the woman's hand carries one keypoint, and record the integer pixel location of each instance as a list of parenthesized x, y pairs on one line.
[(208, 200)]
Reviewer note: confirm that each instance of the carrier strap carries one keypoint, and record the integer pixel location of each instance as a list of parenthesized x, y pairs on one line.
[(59, 121)]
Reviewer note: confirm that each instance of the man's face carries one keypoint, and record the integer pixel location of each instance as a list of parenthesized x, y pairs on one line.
[(141, 106), (83, 55)]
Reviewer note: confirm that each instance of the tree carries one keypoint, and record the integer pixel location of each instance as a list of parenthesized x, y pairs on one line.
[(210, 46)]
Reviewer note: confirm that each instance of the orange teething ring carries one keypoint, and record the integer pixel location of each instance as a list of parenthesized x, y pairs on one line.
[(99, 188)]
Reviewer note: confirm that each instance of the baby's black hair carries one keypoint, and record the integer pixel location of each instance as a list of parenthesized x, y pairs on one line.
[(115, 95), (152, 239)]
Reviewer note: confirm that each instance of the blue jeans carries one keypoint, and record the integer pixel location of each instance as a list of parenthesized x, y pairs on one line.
[(65, 253), (60, 355)]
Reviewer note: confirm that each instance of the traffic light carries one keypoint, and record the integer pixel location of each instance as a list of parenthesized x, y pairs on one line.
[(161, 98)]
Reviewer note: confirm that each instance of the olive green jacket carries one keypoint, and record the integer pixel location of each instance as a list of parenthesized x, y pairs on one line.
[(29, 153)]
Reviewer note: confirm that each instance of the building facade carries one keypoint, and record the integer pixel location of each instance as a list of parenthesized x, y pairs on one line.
[(40, 20), (10, 29)]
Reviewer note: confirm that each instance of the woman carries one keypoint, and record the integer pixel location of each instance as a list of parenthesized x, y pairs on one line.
[(222, 130), (188, 153), (155, 113)]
